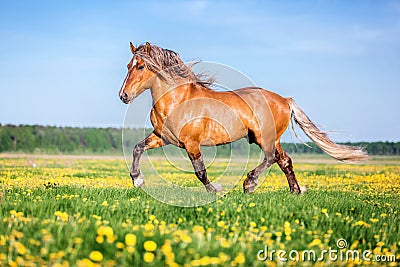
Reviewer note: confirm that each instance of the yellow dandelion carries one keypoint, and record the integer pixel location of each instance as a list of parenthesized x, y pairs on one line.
[(186, 239), (130, 239), (2, 240), (96, 256), (252, 204), (221, 223), (361, 223), (324, 211), (99, 239), (148, 227), (380, 244), (62, 216), (148, 257), (96, 217), (195, 263), (150, 245), (78, 240), (315, 242), (20, 248), (278, 234), (105, 230), (225, 243), (120, 245), (240, 258), (111, 239), (223, 257), (85, 263)]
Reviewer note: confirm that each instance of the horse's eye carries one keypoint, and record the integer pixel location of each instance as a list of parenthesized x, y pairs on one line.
[(140, 67)]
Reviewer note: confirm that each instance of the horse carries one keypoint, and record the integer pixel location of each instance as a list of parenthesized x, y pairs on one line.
[(189, 114)]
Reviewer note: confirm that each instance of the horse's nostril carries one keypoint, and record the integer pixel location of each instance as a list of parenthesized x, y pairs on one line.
[(123, 96)]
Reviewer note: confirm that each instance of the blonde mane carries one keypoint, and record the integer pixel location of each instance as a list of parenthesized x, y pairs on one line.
[(169, 66)]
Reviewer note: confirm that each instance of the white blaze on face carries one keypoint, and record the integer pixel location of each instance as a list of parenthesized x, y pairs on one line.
[(134, 63)]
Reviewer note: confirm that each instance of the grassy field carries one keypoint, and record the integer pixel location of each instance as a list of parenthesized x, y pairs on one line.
[(83, 211)]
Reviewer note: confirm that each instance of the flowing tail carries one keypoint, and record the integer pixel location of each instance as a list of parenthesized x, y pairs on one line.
[(340, 152)]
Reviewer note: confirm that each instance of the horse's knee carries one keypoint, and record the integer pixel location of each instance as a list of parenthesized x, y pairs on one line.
[(138, 149)]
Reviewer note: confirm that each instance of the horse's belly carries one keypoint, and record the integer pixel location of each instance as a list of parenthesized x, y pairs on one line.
[(207, 123), (222, 132)]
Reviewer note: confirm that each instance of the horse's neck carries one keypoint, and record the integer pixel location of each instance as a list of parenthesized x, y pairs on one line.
[(166, 96)]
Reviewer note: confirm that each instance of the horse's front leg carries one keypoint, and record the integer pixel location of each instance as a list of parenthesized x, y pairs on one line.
[(151, 141), (196, 158)]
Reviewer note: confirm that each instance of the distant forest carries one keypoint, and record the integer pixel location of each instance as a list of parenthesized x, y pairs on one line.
[(71, 140)]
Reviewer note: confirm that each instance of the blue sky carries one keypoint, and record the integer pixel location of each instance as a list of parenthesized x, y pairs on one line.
[(63, 62)]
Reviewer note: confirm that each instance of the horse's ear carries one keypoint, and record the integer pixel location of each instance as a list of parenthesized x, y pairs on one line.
[(147, 48), (133, 48)]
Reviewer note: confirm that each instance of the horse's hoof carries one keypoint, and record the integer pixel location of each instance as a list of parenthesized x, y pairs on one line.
[(250, 189), (303, 189), (295, 191), (218, 187), (211, 188), (138, 182)]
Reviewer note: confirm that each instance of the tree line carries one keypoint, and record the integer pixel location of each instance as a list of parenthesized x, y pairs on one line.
[(74, 140)]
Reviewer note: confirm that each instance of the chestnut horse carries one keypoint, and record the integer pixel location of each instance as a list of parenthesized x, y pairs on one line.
[(188, 114)]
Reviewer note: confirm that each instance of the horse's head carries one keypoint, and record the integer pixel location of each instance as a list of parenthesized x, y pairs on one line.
[(139, 76)]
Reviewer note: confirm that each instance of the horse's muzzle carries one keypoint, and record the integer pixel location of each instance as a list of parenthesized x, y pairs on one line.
[(124, 98)]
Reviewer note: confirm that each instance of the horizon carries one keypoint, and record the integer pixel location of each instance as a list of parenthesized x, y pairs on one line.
[(62, 64), (294, 141)]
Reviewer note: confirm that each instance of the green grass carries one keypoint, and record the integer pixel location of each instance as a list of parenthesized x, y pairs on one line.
[(60, 224)]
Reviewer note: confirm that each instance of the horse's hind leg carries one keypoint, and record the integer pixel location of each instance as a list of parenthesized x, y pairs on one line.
[(251, 182), (267, 146), (285, 163)]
